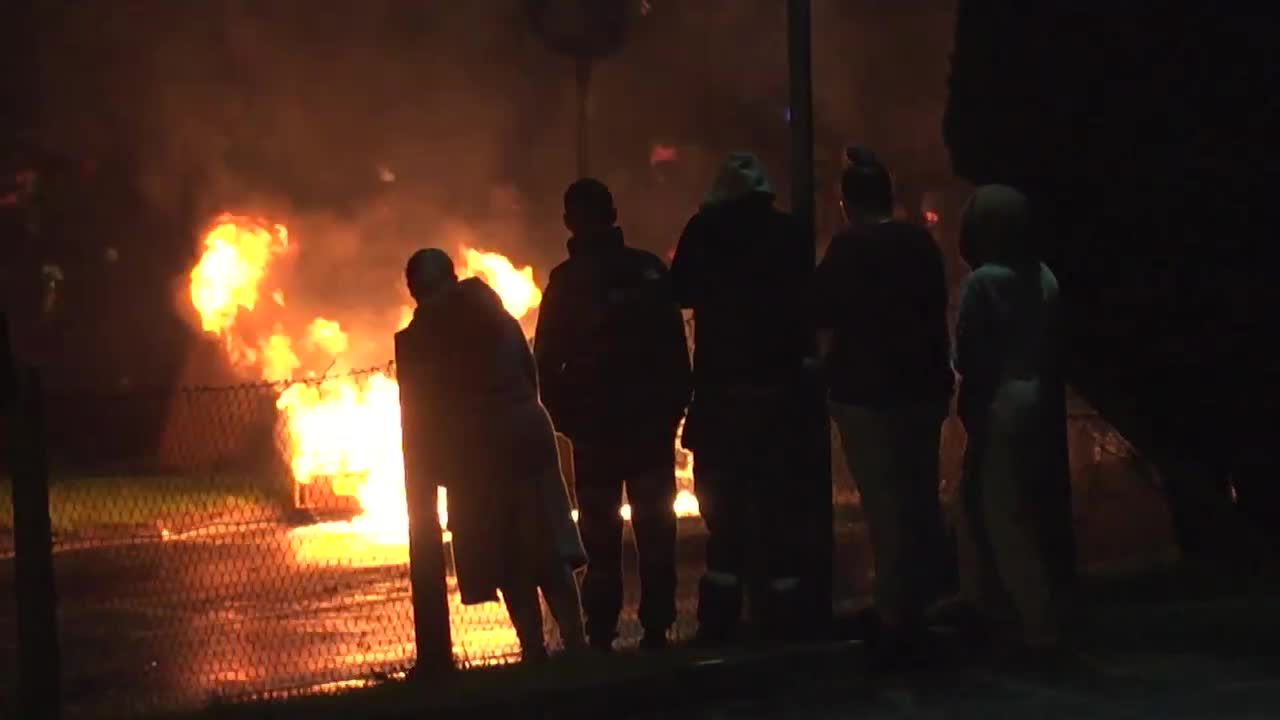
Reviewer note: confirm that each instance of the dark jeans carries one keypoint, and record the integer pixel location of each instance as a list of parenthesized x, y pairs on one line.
[(752, 505), (600, 474), (755, 499)]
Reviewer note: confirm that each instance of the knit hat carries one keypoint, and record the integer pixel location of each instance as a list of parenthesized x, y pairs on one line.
[(740, 175)]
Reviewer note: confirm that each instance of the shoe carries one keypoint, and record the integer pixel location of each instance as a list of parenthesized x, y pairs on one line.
[(534, 656), (654, 640)]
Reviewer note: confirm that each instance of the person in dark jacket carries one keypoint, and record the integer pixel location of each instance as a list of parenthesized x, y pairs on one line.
[(744, 268), (472, 423), (882, 303), (1016, 485), (614, 365)]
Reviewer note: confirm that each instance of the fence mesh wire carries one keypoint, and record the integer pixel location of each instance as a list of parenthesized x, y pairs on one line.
[(192, 567)]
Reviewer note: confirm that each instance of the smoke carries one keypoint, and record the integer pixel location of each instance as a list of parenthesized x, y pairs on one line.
[(396, 124)]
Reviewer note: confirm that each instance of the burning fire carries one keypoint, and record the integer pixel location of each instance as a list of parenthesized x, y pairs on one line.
[(226, 280), (342, 428), (516, 287)]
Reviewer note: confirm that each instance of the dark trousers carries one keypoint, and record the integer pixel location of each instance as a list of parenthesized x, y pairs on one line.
[(755, 505), (751, 505), (601, 472)]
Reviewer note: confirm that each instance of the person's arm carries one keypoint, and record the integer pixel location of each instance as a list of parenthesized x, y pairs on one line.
[(527, 364), (550, 338), (972, 345), (827, 284), (677, 372), (688, 266), (940, 308), (841, 285)]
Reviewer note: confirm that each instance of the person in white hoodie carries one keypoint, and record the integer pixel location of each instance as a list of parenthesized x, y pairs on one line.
[(1016, 491)]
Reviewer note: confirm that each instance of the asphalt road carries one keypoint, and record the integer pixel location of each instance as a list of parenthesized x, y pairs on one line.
[(1109, 687), (236, 613), (241, 613)]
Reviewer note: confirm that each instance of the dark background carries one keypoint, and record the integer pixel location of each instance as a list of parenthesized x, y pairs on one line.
[(1144, 138)]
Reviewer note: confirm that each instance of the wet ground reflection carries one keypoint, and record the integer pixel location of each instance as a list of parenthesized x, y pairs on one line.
[(239, 613), (236, 614)]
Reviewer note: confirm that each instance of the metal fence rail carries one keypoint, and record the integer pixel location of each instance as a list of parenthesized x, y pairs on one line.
[(191, 567)]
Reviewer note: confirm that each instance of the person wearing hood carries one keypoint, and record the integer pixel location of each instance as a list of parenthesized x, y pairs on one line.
[(1016, 489), (614, 365), (472, 423), (744, 268), (882, 302)]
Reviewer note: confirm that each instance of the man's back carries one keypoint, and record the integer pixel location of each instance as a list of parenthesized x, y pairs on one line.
[(610, 344), (882, 291), (744, 268)]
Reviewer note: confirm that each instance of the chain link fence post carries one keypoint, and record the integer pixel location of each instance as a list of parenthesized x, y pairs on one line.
[(39, 660), (428, 583)]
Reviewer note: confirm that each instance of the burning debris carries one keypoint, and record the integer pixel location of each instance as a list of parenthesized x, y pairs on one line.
[(342, 429)]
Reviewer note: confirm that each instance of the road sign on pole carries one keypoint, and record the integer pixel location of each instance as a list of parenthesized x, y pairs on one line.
[(586, 30)]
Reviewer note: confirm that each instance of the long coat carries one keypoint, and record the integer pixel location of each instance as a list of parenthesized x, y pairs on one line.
[(473, 424)]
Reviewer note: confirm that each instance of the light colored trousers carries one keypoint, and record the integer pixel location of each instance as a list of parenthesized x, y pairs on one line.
[(892, 454), (1000, 544)]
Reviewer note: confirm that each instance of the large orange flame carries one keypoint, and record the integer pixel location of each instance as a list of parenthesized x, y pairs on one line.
[(519, 293), (226, 281), (342, 429)]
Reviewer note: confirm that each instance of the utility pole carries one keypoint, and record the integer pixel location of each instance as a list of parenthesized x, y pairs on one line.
[(584, 116), (587, 31), (799, 32), (815, 468), (39, 659)]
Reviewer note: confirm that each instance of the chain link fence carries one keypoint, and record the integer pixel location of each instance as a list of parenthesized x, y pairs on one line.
[(192, 566)]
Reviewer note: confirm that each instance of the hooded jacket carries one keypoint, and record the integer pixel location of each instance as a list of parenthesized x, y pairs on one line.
[(1008, 326), (1012, 394), (745, 269)]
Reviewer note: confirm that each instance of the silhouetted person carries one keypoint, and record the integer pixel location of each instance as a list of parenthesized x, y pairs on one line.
[(882, 302), (1016, 487), (614, 365), (745, 268), (473, 424)]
